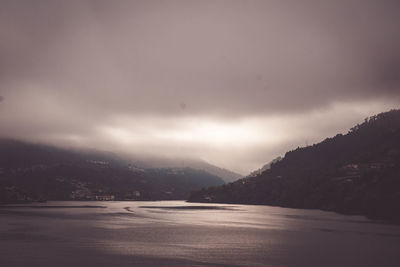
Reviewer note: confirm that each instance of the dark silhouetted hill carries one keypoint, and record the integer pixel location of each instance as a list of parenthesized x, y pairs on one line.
[(355, 173)]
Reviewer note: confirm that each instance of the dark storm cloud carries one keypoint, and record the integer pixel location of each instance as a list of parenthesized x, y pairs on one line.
[(70, 69), (237, 57)]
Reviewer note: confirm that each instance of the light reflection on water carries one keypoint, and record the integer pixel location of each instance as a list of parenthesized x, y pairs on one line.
[(171, 233)]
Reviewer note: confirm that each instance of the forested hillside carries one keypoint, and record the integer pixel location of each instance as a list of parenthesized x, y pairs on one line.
[(355, 173)]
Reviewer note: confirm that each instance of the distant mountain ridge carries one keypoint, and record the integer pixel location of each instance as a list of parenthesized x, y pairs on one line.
[(165, 162), (31, 172), (355, 173)]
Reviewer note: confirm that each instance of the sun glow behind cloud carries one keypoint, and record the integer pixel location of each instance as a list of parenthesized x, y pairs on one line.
[(235, 83), (195, 131), (242, 145)]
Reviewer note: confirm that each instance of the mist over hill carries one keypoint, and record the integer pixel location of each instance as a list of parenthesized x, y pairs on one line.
[(355, 173), (176, 162), (32, 172), (264, 167)]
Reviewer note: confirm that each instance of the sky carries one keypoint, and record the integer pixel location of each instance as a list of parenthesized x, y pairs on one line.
[(234, 83)]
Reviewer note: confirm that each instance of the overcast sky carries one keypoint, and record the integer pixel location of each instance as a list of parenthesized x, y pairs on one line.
[(235, 83)]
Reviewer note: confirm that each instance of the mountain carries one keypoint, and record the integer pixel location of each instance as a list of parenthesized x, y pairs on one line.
[(30, 172), (167, 162), (355, 173)]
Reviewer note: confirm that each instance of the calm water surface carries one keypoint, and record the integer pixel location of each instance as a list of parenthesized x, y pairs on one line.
[(175, 233)]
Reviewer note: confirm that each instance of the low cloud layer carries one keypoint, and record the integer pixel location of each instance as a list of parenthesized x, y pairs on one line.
[(235, 83)]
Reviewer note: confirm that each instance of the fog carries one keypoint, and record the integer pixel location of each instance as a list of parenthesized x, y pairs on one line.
[(235, 83)]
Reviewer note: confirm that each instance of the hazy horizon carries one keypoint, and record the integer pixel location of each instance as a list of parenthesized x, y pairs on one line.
[(233, 83)]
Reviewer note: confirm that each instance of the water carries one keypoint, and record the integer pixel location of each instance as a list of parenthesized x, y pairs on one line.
[(175, 233)]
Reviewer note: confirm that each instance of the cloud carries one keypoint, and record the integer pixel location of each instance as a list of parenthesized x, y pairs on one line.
[(186, 73)]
